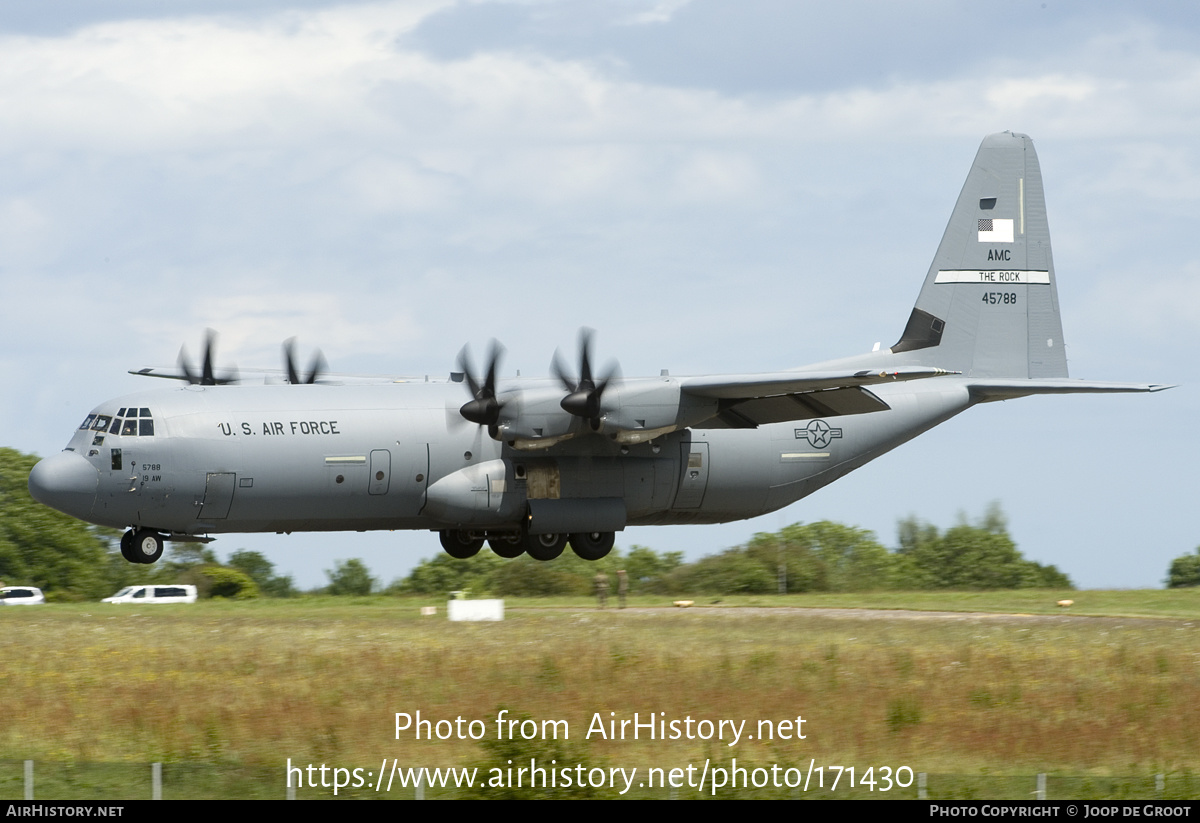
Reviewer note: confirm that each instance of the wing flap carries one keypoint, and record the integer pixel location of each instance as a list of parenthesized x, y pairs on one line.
[(749, 401), (744, 387), (758, 411)]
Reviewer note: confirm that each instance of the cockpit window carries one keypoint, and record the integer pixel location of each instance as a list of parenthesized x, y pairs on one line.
[(88, 421), (129, 422)]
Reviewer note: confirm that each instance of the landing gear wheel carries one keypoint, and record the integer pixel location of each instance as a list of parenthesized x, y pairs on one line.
[(592, 545), (460, 545), (508, 546), (147, 546), (545, 546), (127, 546)]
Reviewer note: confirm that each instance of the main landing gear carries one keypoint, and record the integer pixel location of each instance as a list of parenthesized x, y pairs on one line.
[(461, 544), (141, 545)]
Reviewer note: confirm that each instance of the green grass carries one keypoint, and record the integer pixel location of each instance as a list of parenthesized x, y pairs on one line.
[(223, 693)]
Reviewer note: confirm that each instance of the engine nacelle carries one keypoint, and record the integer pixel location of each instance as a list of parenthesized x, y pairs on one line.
[(534, 419), (642, 410)]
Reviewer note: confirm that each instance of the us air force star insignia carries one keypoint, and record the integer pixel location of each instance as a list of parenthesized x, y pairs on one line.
[(818, 434)]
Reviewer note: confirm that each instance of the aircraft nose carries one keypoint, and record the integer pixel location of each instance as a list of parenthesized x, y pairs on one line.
[(65, 481)]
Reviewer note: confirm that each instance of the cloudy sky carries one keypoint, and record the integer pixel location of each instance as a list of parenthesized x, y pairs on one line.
[(713, 186)]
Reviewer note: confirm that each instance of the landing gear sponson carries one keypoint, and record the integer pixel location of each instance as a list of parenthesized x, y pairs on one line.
[(461, 544)]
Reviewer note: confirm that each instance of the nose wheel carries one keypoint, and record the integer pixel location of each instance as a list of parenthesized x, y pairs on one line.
[(141, 545)]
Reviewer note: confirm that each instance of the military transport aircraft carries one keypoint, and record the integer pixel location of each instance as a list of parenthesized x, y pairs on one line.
[(577, 457)]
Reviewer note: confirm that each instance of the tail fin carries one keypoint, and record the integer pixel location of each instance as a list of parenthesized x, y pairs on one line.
[(989, 306)]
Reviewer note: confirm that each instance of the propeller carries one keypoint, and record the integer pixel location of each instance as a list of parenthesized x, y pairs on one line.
[(206, 376), (316, 367), (585, 395), (483, 408)]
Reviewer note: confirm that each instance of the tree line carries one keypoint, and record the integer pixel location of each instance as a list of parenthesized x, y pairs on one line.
[(805, 557)]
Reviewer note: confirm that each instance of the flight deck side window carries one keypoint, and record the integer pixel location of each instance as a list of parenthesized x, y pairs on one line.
[(88, 421), (101, 423)]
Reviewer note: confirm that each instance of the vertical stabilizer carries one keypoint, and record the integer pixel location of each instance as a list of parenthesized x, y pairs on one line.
[(989, 306)]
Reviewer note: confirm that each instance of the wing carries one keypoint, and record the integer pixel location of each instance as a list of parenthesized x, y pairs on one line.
[(259, 376), (749, 401)]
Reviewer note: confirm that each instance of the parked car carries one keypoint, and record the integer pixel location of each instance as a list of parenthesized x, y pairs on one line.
[(154, 594), (21, 596)]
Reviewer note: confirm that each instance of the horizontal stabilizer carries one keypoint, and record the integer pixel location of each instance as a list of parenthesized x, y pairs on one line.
[(987, 390)]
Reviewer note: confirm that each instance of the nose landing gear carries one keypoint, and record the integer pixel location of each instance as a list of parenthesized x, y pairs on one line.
[(141, 545)]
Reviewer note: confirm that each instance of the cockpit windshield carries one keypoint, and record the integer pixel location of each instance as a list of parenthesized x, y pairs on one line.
[(128, 422)]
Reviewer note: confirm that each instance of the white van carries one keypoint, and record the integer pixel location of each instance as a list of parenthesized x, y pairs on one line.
[(154, 594), (21, 596)]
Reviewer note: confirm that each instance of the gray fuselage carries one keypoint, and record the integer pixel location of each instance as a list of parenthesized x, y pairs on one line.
[(287, 458)]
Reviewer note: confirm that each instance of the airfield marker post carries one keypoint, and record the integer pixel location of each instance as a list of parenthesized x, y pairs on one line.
[(156, 781), (29, 780)]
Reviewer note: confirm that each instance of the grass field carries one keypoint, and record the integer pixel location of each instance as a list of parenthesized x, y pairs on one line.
[(1108, 694)]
